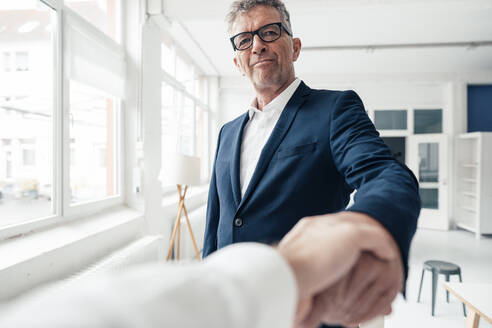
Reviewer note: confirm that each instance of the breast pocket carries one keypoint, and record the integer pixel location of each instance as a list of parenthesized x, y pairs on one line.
[(296, 150)]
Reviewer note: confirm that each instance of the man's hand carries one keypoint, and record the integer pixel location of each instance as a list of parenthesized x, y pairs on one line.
[(347, 266), (366, 292)]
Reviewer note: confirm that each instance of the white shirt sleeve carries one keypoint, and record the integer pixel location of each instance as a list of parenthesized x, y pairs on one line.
[(241, 286)]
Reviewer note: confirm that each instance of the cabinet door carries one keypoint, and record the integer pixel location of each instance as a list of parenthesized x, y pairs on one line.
[(427, 158)]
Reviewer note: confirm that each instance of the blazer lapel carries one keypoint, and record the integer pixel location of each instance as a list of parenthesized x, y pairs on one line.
[(278, 133), (236, 160)]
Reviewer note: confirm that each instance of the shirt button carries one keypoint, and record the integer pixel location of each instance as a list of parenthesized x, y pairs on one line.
[(238, 222)]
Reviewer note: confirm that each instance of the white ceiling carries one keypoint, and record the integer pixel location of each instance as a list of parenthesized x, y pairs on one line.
[(332, 23)]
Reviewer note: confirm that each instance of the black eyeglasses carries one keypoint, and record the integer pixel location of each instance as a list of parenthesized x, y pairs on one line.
[(267, 33)]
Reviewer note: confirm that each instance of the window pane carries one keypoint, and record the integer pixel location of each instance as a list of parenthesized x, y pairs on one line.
[(428, 162), (390, 119), (26, 112), (429, 198), (21, 61), (428, 121), (185, 74), (169, 123), (6, 62), (202, 150), (93, 144), (178, 122), (186, 130), (104, 14), (167, 57)]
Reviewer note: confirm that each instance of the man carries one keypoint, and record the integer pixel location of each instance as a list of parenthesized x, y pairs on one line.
[(300, 152), (244, 286)]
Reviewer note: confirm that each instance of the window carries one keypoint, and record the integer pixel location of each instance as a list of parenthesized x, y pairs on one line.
[(28, 157), (185, 107), (26, 113), (94, 111), (6, 61), (167, 57), (390, 119), (92, 134), (429, 162), (185, 74), (21, 61), (427, 121), (103, 14), (41, 108), (202, 146)]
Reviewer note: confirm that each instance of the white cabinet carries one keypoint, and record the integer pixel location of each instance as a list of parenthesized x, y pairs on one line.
[(473, 183)]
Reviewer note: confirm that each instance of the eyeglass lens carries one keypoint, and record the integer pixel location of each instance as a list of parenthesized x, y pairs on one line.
[(268, 33)]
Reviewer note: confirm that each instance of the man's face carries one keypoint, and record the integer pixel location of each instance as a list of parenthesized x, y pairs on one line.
[(267, 64)]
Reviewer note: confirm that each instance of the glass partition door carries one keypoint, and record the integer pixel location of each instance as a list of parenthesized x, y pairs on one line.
[(427, 158)]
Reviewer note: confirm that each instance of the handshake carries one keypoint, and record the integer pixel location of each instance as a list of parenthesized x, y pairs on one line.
[(347, 266)]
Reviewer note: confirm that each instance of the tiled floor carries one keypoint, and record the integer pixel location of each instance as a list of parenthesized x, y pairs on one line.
[(460, 247)]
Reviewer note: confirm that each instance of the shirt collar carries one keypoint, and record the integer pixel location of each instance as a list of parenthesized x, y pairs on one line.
[(277, 104)]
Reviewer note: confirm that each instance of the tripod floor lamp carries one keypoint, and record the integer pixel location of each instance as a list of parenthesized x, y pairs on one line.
[(183, 171)]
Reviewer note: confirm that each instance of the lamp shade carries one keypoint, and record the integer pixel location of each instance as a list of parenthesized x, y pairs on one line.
[(180, 169)]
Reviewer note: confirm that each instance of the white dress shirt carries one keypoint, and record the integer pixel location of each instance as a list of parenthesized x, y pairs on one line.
[(244, 285), (257, 131)]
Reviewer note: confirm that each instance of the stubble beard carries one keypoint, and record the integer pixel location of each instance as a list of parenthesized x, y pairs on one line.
[(264, 79)]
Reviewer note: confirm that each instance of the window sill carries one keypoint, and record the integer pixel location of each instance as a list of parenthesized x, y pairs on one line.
[(55, 253)]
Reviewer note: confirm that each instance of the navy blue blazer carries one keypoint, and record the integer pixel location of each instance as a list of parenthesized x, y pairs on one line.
[(322, 148)]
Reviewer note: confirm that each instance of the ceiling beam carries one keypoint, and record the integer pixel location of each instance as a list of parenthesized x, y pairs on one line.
[(370, 47)]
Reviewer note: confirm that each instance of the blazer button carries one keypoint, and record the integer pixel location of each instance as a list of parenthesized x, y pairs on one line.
[(238, 222)]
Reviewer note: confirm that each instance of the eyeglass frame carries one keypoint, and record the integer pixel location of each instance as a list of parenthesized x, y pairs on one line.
[(255, 32)]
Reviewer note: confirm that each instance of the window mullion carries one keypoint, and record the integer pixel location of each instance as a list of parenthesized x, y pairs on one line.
[(58, 135), (65, 144)]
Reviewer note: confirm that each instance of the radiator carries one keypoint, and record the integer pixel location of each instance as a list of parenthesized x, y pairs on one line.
[(144, 250)]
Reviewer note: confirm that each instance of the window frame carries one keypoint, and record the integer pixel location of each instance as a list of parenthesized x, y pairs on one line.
[(90, 207)]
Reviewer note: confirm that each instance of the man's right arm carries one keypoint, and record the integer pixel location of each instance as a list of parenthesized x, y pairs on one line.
[(213, 211)]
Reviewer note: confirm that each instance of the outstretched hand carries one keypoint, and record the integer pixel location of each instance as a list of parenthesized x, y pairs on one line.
[(347, 266)]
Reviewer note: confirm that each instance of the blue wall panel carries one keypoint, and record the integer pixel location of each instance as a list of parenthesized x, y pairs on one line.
[(479, 108)]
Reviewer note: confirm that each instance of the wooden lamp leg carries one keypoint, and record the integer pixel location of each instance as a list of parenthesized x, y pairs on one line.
[(175, 229), (191, 233), (179, 239), (177, 226)]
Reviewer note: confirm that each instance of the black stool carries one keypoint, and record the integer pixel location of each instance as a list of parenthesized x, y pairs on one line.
[(439, 267)]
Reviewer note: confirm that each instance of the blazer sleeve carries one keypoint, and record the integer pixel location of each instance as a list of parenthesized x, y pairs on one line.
[(386, 189), (213, 211)]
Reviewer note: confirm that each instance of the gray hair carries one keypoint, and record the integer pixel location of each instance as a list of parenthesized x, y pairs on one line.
[(243, 6)]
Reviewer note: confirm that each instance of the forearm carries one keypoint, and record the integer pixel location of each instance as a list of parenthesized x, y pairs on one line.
[(242, 286), (392, 200)]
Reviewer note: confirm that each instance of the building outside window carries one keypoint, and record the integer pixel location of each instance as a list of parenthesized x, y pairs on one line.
[(26, 112)]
